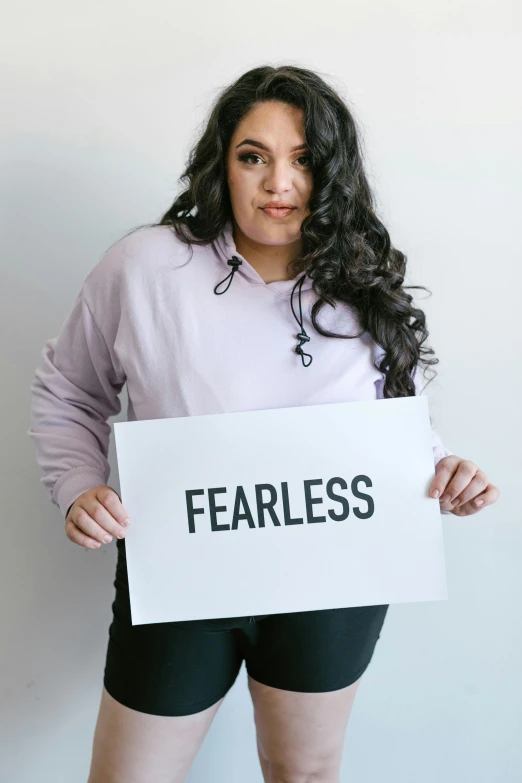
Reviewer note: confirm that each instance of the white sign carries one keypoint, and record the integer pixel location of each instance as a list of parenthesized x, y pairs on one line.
[(280, 510)]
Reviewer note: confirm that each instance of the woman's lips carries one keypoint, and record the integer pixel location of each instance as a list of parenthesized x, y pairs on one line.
[(278, 212)]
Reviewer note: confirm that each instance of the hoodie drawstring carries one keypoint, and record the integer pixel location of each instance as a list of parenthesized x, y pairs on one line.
[(234, 262), (302, 336)]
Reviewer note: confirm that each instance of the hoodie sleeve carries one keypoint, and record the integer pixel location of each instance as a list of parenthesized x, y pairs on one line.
[(74, 391)]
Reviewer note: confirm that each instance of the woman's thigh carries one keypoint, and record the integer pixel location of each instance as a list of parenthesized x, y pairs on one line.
[(304, 670), (136, 747), (300, 735), (171, 669), (163, 684)]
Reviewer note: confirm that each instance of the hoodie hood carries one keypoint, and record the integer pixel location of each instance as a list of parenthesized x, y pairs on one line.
[(226, 249), (234, 263)]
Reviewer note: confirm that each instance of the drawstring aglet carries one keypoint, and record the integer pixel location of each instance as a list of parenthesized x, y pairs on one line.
[(303, 337)]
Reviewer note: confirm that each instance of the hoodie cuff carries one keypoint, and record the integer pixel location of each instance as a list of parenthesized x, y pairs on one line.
[(74, 483)]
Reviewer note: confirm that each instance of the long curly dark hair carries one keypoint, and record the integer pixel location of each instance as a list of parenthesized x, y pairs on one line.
[(345, 248)]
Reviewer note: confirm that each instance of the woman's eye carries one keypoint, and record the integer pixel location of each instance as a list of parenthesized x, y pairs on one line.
[(247, 158)]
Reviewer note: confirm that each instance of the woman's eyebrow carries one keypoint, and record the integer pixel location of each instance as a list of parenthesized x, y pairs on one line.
[(263, 147)]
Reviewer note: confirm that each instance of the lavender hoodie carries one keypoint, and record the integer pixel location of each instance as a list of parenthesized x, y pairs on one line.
[(148, 315)]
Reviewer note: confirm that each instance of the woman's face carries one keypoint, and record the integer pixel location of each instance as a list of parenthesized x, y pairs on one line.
[(272, 166)]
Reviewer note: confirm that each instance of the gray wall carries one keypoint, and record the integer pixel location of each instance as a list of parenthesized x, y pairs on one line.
[(100, 107)]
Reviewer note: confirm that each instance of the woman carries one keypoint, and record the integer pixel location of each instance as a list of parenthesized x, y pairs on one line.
[(198, 314)]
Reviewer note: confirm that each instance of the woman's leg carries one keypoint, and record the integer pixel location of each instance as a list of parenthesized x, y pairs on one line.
[(163, 684), (300, 736), (304, 670), (135, 747)]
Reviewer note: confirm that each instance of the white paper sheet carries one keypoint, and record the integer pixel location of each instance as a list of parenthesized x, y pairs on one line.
[(387, 549)]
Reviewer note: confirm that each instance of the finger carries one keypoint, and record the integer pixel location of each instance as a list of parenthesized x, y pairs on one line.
[(77, 536), (444, 471), (84, 517), (103, 518), (466, 509), (110, 500), (476, 486), (464, 474), (486, 498)]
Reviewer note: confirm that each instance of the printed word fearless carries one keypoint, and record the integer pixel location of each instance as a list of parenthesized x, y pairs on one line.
[(266, 506)]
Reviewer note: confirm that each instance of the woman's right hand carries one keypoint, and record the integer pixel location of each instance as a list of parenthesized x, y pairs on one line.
[(95, 517)]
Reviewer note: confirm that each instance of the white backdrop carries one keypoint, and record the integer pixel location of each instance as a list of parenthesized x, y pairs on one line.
[(100, 106)]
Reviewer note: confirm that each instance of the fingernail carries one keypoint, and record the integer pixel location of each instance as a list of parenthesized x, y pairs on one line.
[(479, 502), (435, 493), (107, 539), (120, 533), (445, 497), (126, 521), (454, 502)]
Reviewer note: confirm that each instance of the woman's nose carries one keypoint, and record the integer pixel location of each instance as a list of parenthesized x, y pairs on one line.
[(279, 179)]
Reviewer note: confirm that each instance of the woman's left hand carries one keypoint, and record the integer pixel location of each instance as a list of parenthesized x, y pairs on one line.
[(462, 487)]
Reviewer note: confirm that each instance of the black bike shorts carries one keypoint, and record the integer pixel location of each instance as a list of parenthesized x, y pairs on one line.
[(180, 668)]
